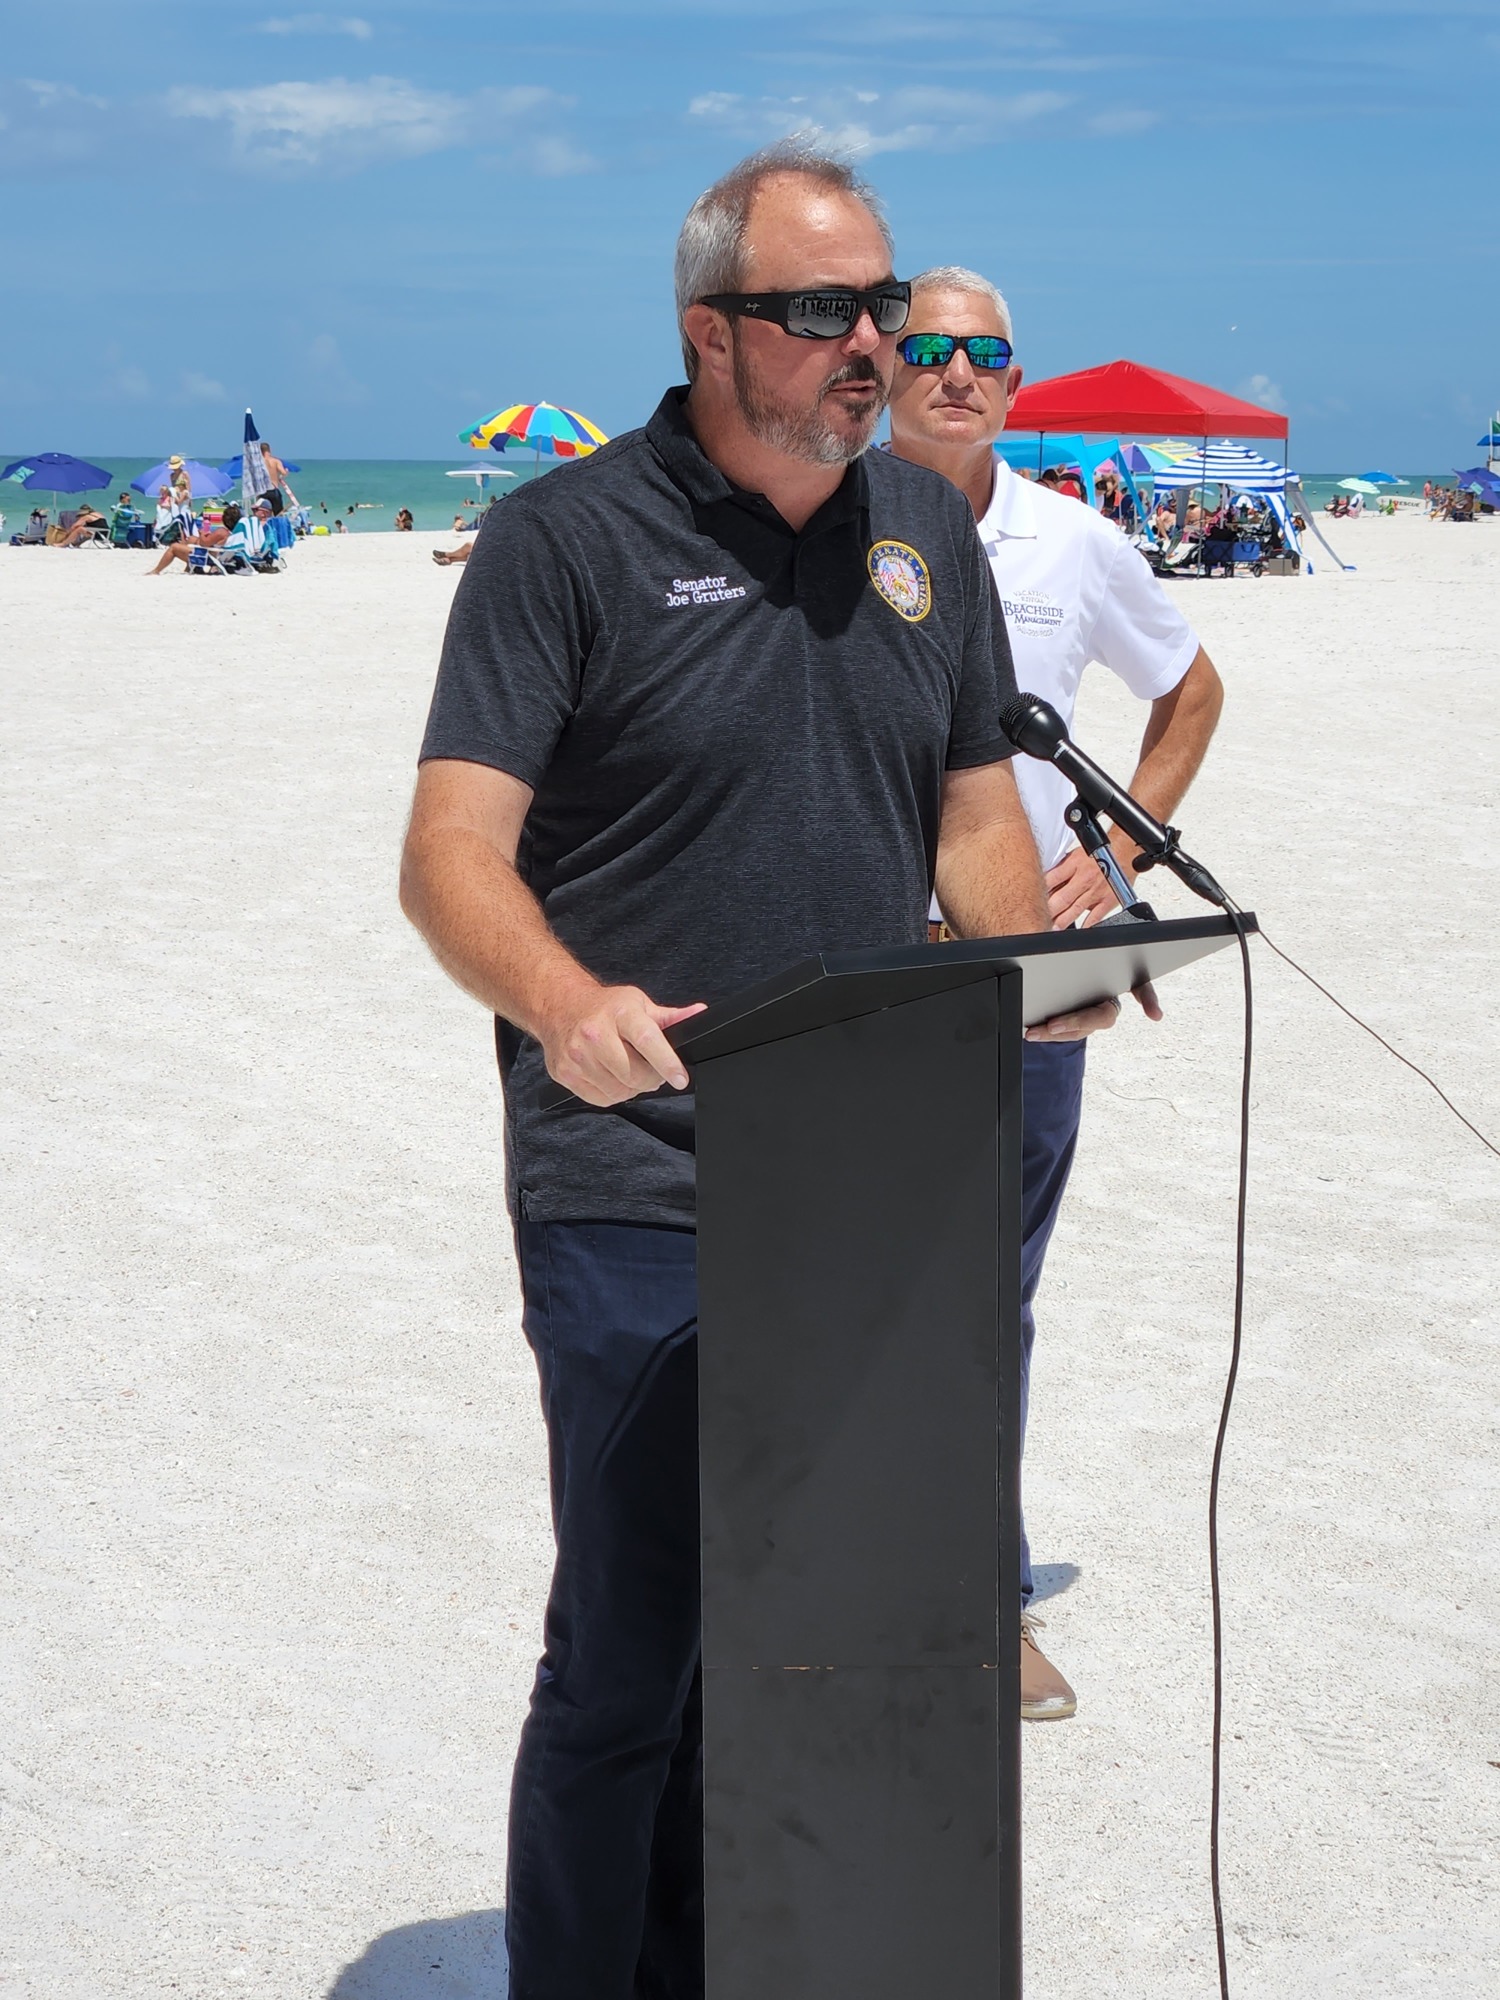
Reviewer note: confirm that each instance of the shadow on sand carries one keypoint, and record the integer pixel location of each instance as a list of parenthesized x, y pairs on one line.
[(446, 1958), (1052, 1579)]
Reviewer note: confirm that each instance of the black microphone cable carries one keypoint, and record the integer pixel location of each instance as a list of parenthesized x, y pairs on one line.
[(1035, 727), (1236, 917)]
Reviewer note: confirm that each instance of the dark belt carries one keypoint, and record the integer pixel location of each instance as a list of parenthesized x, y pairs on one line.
[(939, 934)]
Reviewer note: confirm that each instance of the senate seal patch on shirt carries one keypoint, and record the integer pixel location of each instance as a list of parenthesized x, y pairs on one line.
[(902, 578)]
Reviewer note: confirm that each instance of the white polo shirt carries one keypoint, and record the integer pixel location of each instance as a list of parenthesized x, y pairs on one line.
[(1074, 590)]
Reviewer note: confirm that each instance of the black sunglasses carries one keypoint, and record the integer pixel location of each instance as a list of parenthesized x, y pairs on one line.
[(936, 350), (826, 314)]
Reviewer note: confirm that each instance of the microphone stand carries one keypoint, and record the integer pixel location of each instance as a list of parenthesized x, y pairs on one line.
[(1093, 840)]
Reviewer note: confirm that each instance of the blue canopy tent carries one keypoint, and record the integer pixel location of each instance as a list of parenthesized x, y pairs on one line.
[(1040, 451)]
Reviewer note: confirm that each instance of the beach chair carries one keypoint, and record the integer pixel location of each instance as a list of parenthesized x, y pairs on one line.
[(1179, 557), (246, 553), (210, 562), (34, 533), (129, 529)]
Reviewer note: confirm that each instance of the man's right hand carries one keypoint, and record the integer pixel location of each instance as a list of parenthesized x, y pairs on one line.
[(608, 1046)]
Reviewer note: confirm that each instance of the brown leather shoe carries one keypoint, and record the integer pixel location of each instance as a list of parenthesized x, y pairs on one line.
[(1045, 1695)]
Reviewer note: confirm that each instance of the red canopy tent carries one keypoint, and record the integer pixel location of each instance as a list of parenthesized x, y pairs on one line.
[(1125, 397)]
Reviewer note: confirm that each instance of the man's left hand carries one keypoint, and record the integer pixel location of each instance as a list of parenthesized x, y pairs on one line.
[(1089, 1020), (1076, 888)]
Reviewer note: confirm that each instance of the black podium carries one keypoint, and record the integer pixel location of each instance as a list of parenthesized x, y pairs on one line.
[(859, 1148), (859, 1128)]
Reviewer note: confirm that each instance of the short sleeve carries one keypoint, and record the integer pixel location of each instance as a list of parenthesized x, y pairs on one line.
[(1138, 632), (987, 674), (518, 634)]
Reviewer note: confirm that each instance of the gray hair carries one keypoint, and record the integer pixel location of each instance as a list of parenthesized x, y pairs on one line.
[(955, 278), (711, 245)]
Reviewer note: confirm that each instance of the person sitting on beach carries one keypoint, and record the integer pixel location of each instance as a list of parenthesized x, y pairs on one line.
[(211, 538), (404, 521), (127, 524), (86, 524), (442, 557), (250, 536)]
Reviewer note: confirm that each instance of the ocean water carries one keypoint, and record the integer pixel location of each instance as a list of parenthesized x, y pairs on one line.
[(366, 493)]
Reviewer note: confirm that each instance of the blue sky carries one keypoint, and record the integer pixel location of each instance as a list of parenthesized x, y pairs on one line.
[(381, 221)]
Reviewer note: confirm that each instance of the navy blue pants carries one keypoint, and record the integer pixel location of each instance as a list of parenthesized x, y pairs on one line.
[(1052, 1101), (605, 1894)]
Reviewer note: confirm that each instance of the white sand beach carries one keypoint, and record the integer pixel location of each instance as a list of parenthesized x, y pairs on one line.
[(275, 1524)]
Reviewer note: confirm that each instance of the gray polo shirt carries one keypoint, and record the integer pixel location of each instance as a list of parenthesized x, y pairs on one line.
[(736, 736)]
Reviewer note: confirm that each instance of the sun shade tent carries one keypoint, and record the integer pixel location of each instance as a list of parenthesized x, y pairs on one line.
[(1223, 464), (1230, 465), (1126, 396)]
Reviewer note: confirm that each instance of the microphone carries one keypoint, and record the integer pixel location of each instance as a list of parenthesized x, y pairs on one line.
[(1035, 726)]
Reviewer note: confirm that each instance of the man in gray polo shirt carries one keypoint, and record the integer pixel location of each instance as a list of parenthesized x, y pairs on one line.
[(723, 694)]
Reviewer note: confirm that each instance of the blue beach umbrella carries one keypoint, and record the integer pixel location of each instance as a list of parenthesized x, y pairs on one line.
[(208, 481), (1384, 479), (56, 472)]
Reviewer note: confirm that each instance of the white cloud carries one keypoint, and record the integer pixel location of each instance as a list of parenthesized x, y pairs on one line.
[(308, 124), (347, 123), (318, 24), (553, 156), (917, 118), (53, 96), (1124, 123), (50, 128), (1261, 389), (198, 388)]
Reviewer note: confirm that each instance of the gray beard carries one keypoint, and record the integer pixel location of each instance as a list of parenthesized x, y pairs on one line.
[(804, 434)]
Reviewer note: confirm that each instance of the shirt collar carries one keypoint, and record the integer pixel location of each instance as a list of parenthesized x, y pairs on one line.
[(1011, 514), (676, 444)]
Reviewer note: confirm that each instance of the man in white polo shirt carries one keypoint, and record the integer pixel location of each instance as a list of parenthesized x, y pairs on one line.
[(1074, 591)]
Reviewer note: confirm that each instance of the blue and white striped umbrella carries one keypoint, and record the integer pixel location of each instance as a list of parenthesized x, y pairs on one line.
[(1225, 464)]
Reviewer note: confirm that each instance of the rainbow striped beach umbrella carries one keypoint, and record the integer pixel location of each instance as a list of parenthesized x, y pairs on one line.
[(542, 426)]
